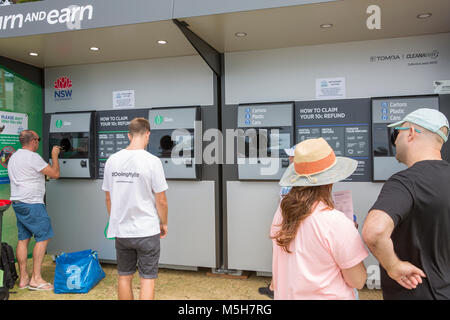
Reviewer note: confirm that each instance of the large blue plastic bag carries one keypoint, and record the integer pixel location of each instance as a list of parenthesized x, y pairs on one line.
[(77, 272)]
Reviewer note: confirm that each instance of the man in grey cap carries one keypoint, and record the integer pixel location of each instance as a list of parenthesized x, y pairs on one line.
[(407, 229)]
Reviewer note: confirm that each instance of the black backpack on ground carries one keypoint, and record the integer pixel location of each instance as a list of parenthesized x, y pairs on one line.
[(8, 267)]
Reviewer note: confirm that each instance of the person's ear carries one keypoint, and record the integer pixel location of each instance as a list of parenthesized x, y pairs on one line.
[(411, 133)]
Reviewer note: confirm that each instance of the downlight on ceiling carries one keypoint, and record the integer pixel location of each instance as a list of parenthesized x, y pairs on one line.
[(240, 34), (34, 54), (424, 15), (162, 41), (326, 25), (94, 49)]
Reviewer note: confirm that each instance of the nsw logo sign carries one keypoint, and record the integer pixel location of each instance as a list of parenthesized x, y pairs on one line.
[(63, 89)]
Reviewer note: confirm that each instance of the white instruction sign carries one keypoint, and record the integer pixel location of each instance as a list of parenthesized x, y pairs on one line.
[(123, 99), (330, 88)]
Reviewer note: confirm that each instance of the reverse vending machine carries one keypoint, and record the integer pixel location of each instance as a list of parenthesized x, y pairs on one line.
[(193, 238), (252, 189), (172, 140), (385, 111), (266, 130), (73, 132)]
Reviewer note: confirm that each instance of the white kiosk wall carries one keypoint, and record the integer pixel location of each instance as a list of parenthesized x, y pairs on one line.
[(77, 207), (389, 67)]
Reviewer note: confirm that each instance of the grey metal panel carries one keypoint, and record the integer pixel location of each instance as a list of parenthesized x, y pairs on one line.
[(176, 118), (267, 169), (250, 210), (104, 13), (191, 240), (399, 107), (78, 216), (273, 75), (75, 122), (72, 168), (384, 167), (166, 82), (266, 115), (192, 8), (174, 170)]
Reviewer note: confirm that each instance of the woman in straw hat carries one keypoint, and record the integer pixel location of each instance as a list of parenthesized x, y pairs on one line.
[(317, 251)]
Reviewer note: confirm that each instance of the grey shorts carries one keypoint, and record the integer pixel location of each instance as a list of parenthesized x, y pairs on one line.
[(142, 253)]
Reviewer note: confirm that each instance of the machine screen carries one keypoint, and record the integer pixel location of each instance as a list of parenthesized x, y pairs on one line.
[(161, 144), (74, 145), (266, 143)]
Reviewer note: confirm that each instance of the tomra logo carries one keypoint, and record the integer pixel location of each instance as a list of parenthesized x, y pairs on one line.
[(63, 89)]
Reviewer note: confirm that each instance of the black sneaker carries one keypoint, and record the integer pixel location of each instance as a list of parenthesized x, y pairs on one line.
[(266, 291)]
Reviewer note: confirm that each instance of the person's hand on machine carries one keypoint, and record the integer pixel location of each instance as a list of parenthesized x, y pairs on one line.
[(55, 151)]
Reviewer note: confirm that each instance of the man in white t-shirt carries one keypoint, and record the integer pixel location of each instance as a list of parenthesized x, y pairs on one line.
[(134, 185), (27, 171)]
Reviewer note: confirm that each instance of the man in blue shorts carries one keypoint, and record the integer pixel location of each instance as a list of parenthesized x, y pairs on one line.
[(27, 171)]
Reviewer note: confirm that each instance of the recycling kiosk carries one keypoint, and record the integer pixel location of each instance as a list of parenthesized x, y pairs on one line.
[(73, 132), (173, 141)]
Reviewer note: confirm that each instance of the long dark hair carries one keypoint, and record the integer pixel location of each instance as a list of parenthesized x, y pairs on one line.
[(296, 206)]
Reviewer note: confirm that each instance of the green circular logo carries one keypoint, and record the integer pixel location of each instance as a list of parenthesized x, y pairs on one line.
[(59, 123), (159, 119)]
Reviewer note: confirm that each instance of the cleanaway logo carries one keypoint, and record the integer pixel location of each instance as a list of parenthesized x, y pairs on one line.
[(71, 16), (63, 89)]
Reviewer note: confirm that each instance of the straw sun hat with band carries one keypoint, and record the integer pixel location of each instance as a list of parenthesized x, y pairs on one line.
[(315, 164)]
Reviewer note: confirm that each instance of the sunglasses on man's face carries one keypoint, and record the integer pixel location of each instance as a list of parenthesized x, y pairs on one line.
[(396, 131), (38, 139)]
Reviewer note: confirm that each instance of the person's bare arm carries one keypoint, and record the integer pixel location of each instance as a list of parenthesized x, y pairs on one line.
[(52, 170), (162, 209), (355, 276), (377, 232), (108, 202)]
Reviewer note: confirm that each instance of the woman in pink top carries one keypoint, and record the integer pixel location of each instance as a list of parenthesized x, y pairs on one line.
[(317, 251)]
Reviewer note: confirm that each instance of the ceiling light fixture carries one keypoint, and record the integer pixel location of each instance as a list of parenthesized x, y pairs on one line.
[(424, 15), (162, 41), (326, 25), (34, 54), (240, 34), (94, 49)]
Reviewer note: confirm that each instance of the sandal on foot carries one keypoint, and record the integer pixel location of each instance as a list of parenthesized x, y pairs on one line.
[(42, 287)]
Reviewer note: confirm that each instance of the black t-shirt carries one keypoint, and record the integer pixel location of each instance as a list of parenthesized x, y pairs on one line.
[(418, 201)]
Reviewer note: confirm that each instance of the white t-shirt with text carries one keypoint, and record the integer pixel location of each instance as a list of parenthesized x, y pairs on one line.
[(27, 182), (132, 177)]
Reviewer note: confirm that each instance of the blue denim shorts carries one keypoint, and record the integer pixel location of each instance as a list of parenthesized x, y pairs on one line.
[(33, 220)]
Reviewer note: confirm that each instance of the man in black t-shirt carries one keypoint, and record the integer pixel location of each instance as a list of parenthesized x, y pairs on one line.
[(408, 227)]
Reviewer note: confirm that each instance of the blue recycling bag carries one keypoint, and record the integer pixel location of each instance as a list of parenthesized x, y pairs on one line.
[(77, 272)]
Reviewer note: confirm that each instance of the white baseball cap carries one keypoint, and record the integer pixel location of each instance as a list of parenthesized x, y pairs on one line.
[(430, 119)]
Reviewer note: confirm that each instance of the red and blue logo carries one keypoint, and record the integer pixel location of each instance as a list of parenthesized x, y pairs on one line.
[(63, 89)]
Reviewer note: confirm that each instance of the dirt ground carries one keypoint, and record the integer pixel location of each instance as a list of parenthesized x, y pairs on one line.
[(170, 285)]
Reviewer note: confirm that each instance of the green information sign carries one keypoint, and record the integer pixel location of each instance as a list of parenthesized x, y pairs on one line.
[(11, 124)]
